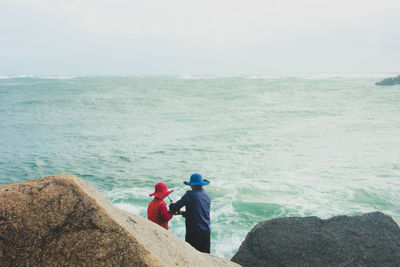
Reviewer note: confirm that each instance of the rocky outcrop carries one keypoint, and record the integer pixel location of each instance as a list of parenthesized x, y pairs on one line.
[(60, 220), (389, 81), (372, 239)]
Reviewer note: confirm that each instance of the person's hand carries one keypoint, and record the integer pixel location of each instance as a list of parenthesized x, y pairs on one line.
[(178, 212)]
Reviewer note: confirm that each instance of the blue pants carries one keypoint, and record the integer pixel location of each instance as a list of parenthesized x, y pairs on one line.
[(199, 240)]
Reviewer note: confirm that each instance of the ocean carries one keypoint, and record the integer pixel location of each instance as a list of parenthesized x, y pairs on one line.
[(271, 146)]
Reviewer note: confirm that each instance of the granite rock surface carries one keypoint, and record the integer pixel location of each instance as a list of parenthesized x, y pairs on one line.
[(372, 239), (62, 221)]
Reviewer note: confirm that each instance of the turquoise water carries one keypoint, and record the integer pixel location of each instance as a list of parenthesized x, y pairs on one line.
[(271, 146)]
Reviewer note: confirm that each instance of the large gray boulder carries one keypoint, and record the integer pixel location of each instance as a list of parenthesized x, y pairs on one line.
[(372, 239), (62, 221)]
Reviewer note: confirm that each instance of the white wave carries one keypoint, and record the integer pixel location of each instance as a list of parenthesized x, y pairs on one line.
[(126, 193), (141, 211), (261, 77), (317, 76), (318, 200), (57, 77), (17, 76), (33, 76), (226, 246), (195, 77), (206, 77), (339, 75), (24, 76)]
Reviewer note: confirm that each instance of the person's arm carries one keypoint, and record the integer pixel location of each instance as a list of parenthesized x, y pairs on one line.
[(179, 204), (165, 215)]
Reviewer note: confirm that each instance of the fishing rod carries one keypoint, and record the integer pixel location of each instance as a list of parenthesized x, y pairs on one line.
[(178, 212)]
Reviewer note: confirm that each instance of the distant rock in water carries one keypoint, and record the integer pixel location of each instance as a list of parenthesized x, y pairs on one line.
[(372, 239), (61, 221), (389, 81)]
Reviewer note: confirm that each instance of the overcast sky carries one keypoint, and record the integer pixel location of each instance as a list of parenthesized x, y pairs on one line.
[(221, 37)]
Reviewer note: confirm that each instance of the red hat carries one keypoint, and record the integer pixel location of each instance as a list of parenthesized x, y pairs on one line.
[(161, 191)]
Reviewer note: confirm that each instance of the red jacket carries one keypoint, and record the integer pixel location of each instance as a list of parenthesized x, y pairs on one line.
[(157, 212)]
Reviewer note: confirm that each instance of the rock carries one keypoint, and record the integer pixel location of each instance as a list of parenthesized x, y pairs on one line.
[(61, 220), (389, 81), (372, 239)]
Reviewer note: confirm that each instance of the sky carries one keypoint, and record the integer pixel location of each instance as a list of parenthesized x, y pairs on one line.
[(219, 37)]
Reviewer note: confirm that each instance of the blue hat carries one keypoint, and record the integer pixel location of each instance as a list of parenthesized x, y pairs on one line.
[(196, 179)]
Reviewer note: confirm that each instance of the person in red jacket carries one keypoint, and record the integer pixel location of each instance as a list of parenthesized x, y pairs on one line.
[(157, 209)]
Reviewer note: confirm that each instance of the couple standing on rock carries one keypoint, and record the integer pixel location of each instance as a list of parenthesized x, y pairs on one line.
[(197, 212)]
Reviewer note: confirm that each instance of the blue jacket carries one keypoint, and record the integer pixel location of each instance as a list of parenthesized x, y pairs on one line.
[(197, 204)]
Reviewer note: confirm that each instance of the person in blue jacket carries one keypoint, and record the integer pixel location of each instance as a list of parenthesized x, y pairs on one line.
[(197, 213)]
